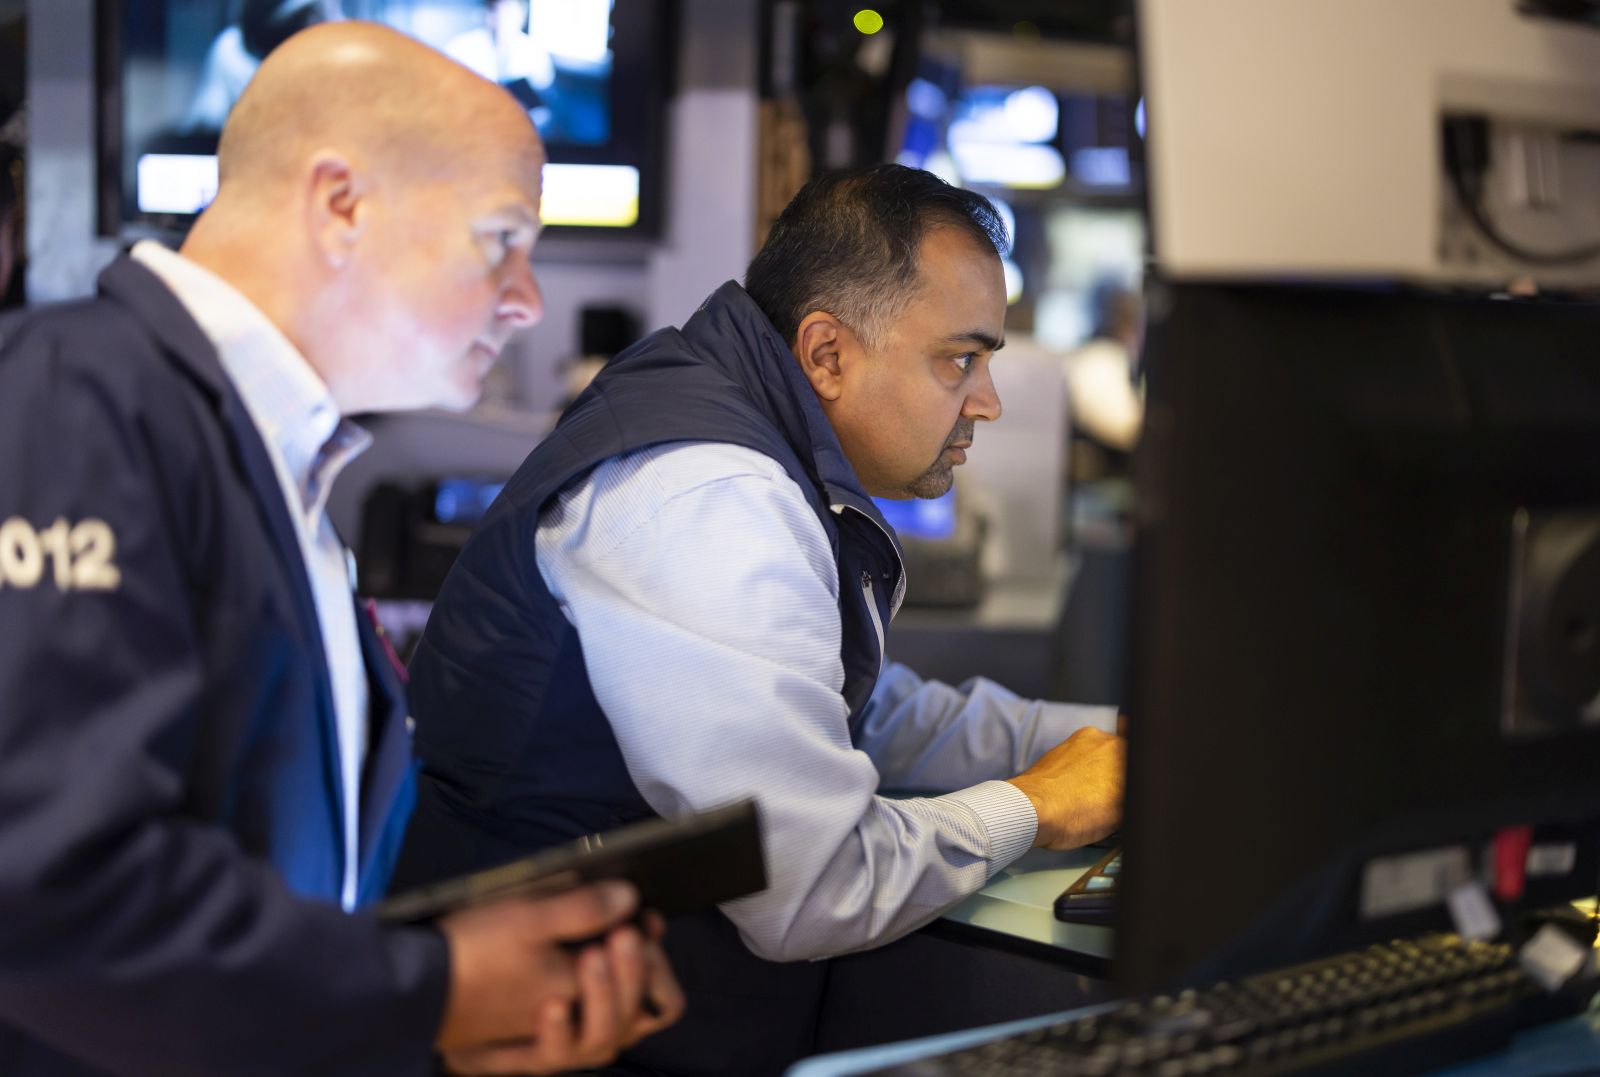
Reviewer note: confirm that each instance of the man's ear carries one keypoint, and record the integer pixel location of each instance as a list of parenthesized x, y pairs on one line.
[(818, 344), (335, 208)]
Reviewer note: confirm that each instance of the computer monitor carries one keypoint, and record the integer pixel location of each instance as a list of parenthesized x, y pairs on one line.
[(925, 519), (1366, 612), (594, 76), (1366, 597)]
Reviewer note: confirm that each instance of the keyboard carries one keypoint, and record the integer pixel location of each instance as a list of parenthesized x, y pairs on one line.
[(1398, 1007), (1093, 897)]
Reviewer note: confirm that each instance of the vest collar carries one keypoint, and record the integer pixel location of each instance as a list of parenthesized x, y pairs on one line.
[(731, 333)]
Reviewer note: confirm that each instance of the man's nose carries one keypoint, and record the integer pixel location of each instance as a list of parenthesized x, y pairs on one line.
[(521, 301), (984, 401)]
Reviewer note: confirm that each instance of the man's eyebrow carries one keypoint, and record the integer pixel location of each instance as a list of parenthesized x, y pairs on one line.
[(989, 341), (515, 215), (520, 212)]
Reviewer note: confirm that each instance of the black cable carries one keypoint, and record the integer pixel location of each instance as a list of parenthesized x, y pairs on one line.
[(1466, 146)]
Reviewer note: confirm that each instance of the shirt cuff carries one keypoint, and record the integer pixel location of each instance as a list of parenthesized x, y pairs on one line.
[(1007, 816)]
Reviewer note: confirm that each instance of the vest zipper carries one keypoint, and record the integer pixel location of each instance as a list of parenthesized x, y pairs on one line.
[(900, 587), (877, 622)]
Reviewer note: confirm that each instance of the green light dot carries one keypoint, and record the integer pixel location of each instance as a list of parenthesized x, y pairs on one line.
[(868, 21)]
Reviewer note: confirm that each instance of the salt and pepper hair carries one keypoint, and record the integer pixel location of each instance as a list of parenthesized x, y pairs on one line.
[(848, 245)]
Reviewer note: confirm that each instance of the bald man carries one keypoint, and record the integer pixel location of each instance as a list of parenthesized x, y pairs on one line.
[(204, 758)]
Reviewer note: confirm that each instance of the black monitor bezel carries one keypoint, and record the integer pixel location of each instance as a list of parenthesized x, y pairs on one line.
[(1324, 556)]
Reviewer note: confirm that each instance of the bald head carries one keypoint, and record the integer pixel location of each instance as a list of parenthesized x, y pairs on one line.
[(373, 94), (379, 204)]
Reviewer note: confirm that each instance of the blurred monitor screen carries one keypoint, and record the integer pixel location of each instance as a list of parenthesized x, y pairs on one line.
[(1017, 137), (463, 501), (589, 72), (930, 519)]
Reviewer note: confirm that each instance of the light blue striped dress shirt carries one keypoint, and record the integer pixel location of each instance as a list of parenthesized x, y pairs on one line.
[(707, 601)]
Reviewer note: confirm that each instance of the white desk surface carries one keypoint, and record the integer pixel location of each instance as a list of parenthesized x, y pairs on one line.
[(1020, 901)]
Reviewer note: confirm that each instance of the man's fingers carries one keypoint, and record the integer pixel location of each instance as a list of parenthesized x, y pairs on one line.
[(505, 960), (625, 949), (566, 1006), (548, 1052), (556, 1036), (519, 1057), (1076, 788), (661, 988), (584, 912), (599, 1023)]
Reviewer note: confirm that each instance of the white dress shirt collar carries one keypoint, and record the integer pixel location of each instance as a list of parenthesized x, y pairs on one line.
[(291, 405)]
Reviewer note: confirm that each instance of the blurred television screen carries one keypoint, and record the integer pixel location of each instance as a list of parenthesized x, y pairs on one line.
[(588, 72)]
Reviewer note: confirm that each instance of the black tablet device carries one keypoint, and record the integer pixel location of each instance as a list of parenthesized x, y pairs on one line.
[(679, 865)]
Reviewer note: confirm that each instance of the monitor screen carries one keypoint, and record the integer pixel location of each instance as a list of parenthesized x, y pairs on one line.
[(1019, 137), (1366, 613), (591, 74), (927, 518), (463, 501)]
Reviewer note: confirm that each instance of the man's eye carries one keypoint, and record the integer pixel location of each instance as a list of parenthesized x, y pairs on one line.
[(499, 243), (964, 361)]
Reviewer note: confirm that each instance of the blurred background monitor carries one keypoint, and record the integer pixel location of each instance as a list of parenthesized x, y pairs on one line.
[(942, 539), (593, 74), (1052, 136), (928, 519)]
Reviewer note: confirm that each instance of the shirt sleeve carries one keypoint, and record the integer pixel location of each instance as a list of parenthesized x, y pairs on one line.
[(930, 736), (134, 936), (706, 599)]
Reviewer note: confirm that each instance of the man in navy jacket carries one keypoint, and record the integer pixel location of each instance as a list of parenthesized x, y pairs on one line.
[(205, 765)]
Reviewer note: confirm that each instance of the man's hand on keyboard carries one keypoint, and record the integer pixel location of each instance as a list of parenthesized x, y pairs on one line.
[(1076, 789)]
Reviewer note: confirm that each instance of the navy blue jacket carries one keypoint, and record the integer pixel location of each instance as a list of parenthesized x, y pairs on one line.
[(516, 751), (170, 839)]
